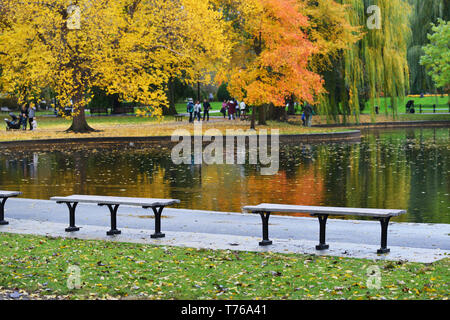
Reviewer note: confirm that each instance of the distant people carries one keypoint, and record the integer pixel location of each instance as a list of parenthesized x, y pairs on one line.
[(198, 111), (31, 115), (23, 116), (242, 107), (377, 109), (308, 114), (190, 109), (206, 108), (231, 109), (211, 97), (303, 119), (224, 108)]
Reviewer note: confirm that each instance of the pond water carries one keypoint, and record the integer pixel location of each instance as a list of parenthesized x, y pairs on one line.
[(395, 168)]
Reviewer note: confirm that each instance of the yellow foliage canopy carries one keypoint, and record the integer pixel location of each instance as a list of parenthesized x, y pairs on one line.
[(130, 47)]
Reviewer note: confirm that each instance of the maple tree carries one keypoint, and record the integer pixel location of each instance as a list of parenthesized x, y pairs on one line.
[(270, 54), (125, 47)]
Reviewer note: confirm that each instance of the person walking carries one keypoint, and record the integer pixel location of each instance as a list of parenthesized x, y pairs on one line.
[(242, 107), (224, 109), (231, 109), (190, 109), (206, 108), (308, 114), (198, 111)]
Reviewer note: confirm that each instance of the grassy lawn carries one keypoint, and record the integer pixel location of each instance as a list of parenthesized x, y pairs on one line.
[(132, 126), (40, 266), (426, 102)]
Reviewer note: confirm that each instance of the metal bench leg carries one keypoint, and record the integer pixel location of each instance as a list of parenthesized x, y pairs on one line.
[(158, 212), (72, 208), (2, 212), (113, 210), (384, 228), (265, 228), (323, 223)]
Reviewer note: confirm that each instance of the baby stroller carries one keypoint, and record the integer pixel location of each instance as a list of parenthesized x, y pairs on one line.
[(13, 124)]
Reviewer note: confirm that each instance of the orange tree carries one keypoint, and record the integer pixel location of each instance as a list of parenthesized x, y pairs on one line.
[(270, 54)]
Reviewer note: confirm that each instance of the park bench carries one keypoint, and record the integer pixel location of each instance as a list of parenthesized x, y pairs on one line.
[(383, 215), (179, 117), (5, 195), (113, 203)]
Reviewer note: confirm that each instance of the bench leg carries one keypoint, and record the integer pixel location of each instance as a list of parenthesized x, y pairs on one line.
[(113, 210), (2, 212), (384, 228), (265, 228), (72, 208), (323, 223), (158, 212)]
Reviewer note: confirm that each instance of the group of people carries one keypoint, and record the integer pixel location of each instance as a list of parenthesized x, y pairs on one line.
[(195, 110), (233, 108), (27, 116)]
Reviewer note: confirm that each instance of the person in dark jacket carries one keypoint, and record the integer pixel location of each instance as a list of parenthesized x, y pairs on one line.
[(206, 108), (190, 109), (23, 116)]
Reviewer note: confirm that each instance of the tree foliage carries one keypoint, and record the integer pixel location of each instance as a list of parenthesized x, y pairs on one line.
[(271, 52), (437, 55), (425, 13), (125, 47)]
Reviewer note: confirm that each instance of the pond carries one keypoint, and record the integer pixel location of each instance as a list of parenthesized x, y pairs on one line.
[(390, 168)]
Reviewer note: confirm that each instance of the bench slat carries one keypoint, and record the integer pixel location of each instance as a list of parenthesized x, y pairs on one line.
[(7, 194), (117, 200), (337, 211)]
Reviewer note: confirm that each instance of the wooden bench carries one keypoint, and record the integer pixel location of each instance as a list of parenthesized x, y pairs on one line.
[(113, 203), (5, 195), (179, 117), (384, 215)]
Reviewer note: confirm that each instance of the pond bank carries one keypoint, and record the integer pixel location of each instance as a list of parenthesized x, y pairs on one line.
[(351, 135)]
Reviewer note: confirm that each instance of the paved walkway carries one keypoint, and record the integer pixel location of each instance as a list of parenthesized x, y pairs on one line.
[(234, 231)]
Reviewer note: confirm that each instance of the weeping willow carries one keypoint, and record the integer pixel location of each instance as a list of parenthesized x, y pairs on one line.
[(424, 13), (373, 67)]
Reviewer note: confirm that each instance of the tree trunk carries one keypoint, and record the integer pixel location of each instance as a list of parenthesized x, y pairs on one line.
[(262, 115), (171, 96), (252, 124), (79, 123)]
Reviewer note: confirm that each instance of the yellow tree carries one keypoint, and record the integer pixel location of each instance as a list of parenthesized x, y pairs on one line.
[(129, 47)]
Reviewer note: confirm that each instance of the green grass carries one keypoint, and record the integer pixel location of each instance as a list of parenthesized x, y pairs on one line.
[(40, 265), (426, 102)]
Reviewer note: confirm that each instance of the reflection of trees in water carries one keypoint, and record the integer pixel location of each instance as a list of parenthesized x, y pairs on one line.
[(392, 169)]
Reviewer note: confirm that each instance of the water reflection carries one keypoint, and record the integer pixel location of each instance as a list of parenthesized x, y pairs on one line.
[(399, 168)]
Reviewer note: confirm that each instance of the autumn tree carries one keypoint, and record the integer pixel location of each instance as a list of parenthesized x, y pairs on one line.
[(270, 54), (126, 47)]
